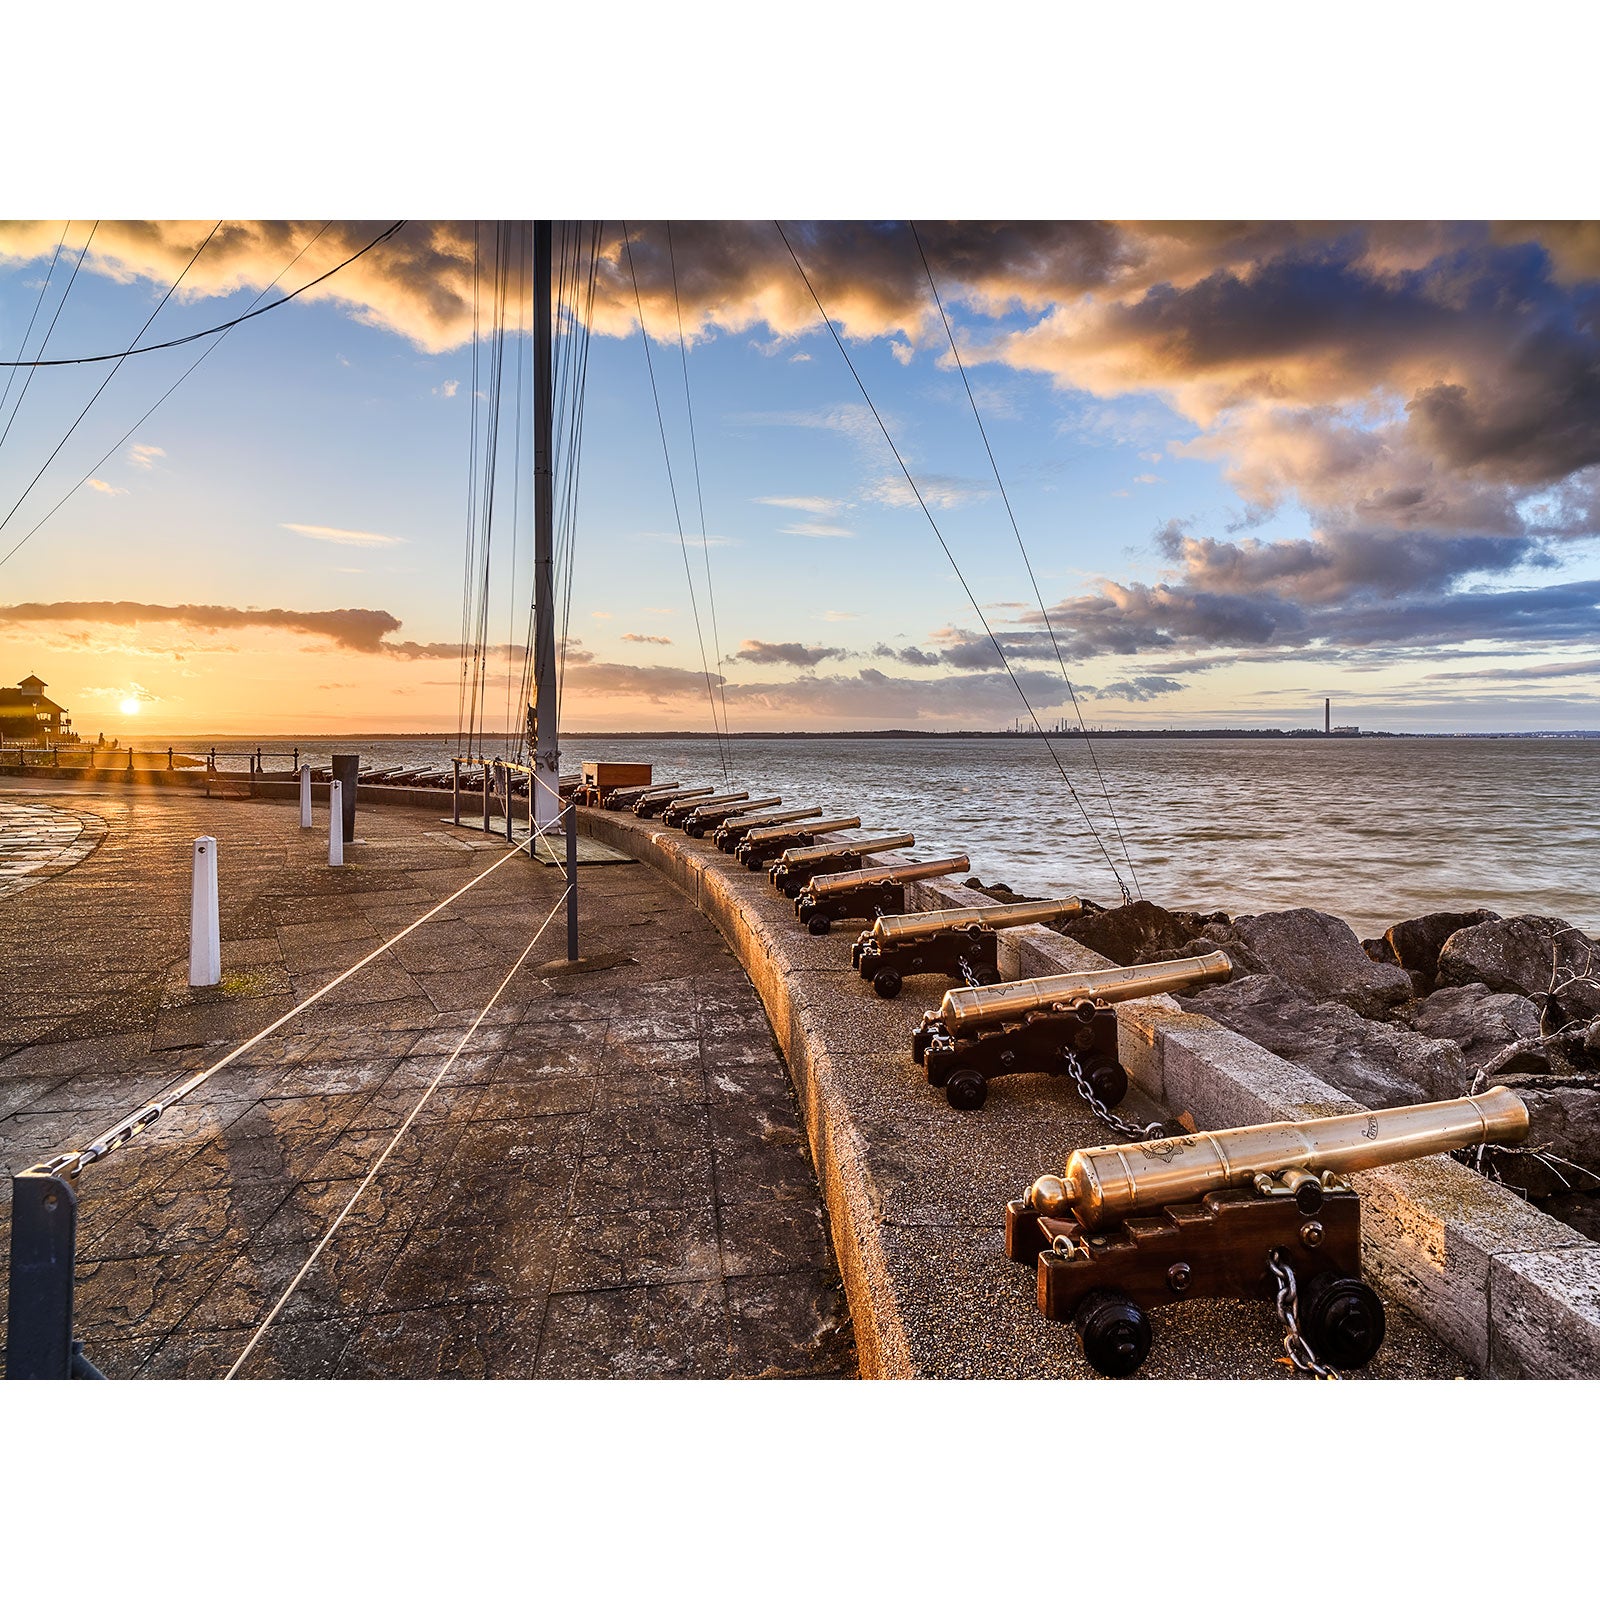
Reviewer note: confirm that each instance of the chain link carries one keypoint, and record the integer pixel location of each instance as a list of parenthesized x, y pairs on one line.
[(1130, 1130), (968, 976), (1294, 1342)]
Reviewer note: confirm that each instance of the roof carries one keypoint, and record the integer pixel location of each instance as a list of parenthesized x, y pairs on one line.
[(32, 681)]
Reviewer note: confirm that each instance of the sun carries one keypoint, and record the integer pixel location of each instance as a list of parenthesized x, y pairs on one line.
[(130, 707)]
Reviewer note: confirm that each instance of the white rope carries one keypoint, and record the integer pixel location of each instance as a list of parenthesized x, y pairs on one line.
[(400, 1133), (142, 1118)]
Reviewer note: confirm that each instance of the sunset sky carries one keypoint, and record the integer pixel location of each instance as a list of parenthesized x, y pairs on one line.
[(1253, 465)]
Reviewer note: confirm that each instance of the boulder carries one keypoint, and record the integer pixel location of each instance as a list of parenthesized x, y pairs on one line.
[(1481, 1022), (1321, 955), (1142, 931), (1416, 942), (1514, 955), (1376, 1064)]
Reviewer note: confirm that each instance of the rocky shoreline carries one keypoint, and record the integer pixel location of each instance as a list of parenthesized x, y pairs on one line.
[(1440, 1005)]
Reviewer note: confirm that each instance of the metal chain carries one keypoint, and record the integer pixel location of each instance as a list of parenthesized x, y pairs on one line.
[(968, 976), (1130, 1130), (1294, 1342)]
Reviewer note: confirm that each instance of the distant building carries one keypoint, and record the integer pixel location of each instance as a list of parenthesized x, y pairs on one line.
[(1348, 733), (28, 716)]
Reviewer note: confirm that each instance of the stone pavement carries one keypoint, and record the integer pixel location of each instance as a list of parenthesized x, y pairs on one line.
[(612, 1181), (38, 841)]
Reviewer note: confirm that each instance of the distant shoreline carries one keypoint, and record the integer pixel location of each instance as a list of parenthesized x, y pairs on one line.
[(1301, 734)]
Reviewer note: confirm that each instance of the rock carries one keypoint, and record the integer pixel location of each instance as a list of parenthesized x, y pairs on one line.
[(1377, 1064), (1416, 942), (1591, 1038), (1481, 1022), (1564, 1125), (1378, 950), (1142, 931), (1321, 955), (1513, 955)]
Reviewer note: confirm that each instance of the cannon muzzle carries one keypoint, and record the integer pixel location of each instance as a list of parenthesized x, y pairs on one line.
[(970, 1010), (1113, 1181), (889, 931)]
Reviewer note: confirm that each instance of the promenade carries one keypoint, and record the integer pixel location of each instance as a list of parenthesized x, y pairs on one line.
[(613, 1179)]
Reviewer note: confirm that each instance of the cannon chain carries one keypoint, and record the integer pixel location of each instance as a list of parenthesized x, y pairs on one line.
[(1288, 1307), (1080, 1080)]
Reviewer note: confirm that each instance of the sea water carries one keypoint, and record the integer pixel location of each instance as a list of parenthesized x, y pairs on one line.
[(1372, 830)]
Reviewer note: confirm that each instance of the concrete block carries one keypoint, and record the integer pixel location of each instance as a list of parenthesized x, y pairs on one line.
[(1546, 1314)]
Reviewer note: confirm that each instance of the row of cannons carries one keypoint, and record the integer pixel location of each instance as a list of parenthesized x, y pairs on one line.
[(1176, 1214)]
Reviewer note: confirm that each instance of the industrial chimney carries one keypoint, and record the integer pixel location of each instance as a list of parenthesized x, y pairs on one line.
[(1327, 716)]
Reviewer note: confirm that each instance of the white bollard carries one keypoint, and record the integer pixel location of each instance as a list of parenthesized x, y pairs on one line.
[(335, 824), (305, 795), (205, 929)]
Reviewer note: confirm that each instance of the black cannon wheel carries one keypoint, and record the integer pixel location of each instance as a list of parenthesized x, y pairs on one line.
[(985, 975), (818, 923), (1114, 1332), (967, 1089), (1109, 1081), (887, 982), (1342, 1319)]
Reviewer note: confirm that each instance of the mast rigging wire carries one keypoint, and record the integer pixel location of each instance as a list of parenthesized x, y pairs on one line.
[(221, 327), (61, 306), (694, 604), (1044, 610), (166, 394), (954, 564), (110, 375), (44, 289)]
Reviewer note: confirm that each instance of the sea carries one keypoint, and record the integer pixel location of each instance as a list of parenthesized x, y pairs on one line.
[(1371, 829)]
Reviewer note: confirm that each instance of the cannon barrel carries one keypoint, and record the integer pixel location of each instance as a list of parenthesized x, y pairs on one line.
[(966, 1010), (770, 830), (744, 826), (1112, 1181), (865, 847), (666, 798), (736, 805), (910, 872), (915, 924), (690, 800)]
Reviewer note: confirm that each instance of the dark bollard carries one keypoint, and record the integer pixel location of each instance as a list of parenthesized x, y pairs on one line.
[(486, 800), (572, 882), (455, 790), (130, 758), (44, 1235), (345, 772), (169, 758)]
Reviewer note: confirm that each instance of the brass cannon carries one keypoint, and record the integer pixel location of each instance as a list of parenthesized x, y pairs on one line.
[(1251, 1213), (681, 805), (868, 892), (761, 845), (794, 869), (961, 942), (707, 818), (731, 834), (625, 799), (1060, 1025), (653, 804)]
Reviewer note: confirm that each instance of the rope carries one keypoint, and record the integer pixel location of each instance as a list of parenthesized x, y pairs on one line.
[(221, 327), (1044, 610), (73, 1162), (694, 605), (400, 1132), (955, 566)]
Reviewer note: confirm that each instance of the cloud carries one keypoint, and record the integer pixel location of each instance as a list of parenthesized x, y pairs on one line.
[(840, 616), (645, 638), (312, 530), (362, 631), (1135, 689), (144, 455), (447, 389), (817, 505), (1537, 670), (818, 530), (941, 490), (763, 654), (101, 487)]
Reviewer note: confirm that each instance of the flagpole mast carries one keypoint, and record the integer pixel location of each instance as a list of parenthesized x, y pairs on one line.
[(544, 734)]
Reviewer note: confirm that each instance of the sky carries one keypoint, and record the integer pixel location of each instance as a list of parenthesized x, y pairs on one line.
[(1252, 465)]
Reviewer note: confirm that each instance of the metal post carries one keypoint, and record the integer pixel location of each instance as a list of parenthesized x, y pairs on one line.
[(305, 795), (572, 883), (335, 824), (455, 790), (205, 923), (44, 1237), (505, 795), (347, 769), (130, 758), (486, 799), (169, 758), (546, 754)]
